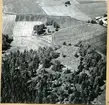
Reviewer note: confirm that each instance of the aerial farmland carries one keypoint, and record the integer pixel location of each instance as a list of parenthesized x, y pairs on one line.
[(54, 51)]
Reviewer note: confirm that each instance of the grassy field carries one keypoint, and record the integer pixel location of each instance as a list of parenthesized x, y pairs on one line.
[(92, 33), (23, 7), (8, 24), (93, 9)]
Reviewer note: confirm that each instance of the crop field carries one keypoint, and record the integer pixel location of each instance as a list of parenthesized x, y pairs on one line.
[(93, 9), (8, 24), (23, 38), (23, 7), (61, 10)]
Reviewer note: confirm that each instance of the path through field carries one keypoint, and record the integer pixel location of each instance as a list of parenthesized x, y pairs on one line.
[(23, 38)]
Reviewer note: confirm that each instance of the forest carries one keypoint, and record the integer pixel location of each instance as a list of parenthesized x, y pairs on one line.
[(38, 77)]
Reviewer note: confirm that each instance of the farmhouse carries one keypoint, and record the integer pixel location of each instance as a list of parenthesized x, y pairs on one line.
[(50, 29), (104, 20), (101, 20)]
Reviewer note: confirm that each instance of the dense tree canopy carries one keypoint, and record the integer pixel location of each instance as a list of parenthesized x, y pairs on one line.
[(6, 41), (38, 77)]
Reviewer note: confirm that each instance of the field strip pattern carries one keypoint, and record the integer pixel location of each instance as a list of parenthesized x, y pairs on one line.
[(23, 38), (61, 10)]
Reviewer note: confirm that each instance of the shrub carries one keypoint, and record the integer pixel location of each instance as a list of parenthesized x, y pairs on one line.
[(39, 29), (6, 42), (105, 15), (69, 44), (64, 43), (89, 21), (93, 22), (101, 22)]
